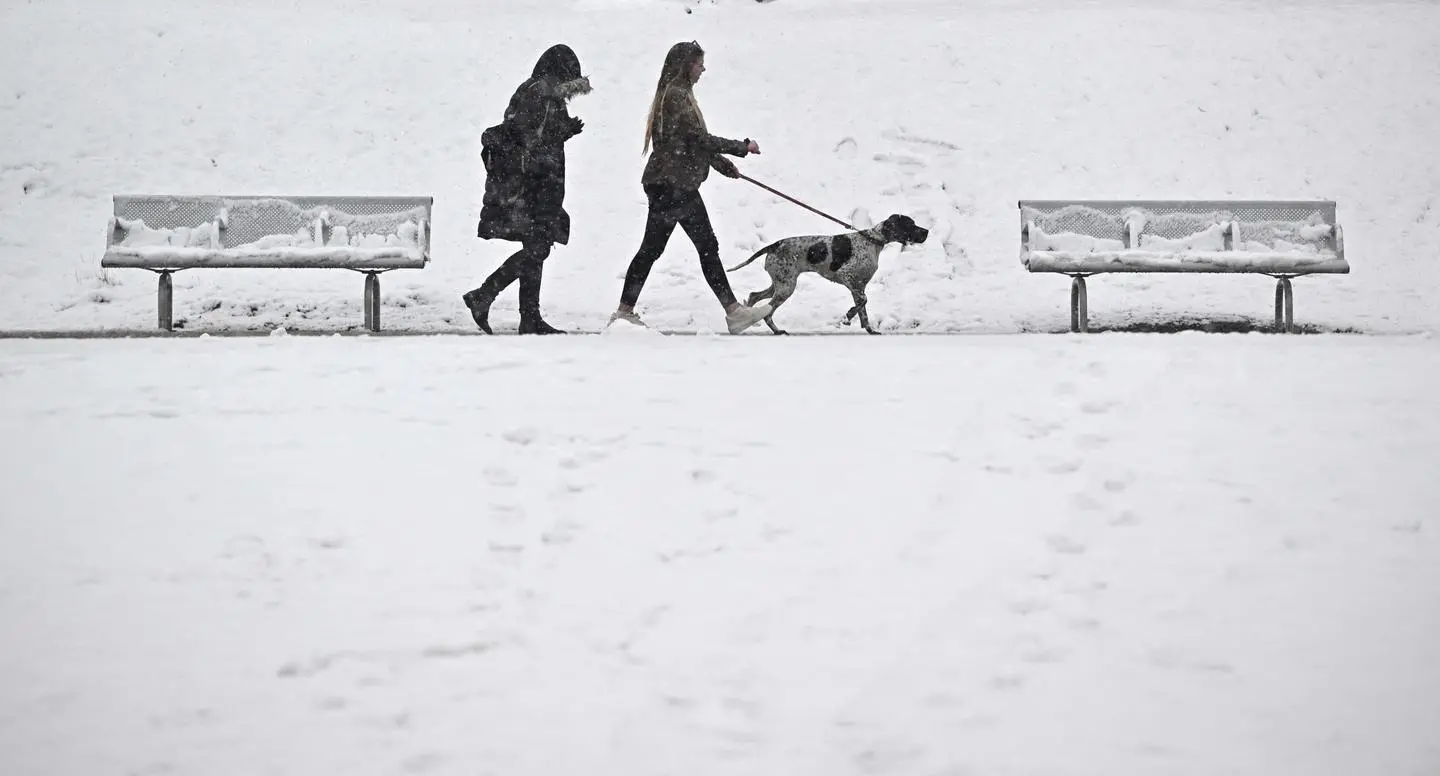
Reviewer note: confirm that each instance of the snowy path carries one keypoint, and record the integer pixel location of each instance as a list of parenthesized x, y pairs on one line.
[(1009, 555)]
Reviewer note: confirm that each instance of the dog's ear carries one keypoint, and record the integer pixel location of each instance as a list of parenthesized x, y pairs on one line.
[(890, 227)]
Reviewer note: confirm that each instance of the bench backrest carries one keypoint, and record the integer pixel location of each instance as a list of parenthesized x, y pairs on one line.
[(254, 222), (1256, 222)]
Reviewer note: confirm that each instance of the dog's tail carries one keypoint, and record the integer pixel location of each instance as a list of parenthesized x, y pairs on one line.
[(754, 256)]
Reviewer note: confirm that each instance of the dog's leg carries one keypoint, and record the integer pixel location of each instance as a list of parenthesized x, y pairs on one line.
[(758, 295), (858, 294), (765, 294), (783, 290)]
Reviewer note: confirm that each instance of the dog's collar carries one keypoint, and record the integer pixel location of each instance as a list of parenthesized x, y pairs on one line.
[(875, 238)]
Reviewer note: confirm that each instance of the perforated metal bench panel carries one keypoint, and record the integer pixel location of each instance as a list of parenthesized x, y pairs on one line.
[(256, 228), (1242, 210)]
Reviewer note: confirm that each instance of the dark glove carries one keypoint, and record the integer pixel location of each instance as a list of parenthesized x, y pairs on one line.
[(576, 125), (726, 167)]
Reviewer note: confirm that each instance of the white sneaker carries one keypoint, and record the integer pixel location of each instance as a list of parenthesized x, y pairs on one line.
[(629, 317), (744, 317)]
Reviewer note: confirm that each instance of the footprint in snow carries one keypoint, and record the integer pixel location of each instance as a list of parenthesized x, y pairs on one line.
[(500, 477), (1028, 606), (1007, 682), (332, 703), (1064, 467), (1125, 518), (1042, 654), (424, 762), (1117, 484), (942, 700), (521, 436), (561, 533), (1064, 545), (1087, 589)]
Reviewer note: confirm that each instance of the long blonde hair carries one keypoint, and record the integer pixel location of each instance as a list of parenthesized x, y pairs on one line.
[(678, 61)]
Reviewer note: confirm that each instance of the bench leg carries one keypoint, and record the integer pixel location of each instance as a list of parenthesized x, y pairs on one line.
[(166, 299), (1284, 306), (372, 301), (1079, 312)]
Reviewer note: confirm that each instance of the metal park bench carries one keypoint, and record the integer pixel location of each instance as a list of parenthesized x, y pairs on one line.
[(1081, 238), (169, 233)]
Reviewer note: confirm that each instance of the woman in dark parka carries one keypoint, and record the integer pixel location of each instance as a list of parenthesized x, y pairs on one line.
[(524, 159)]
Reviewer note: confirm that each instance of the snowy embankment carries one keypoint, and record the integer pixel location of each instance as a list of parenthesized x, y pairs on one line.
[(979, 555), (948, 112)]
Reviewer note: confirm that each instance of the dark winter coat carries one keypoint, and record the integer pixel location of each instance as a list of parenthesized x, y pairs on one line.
[(684, 150), (524, 155)]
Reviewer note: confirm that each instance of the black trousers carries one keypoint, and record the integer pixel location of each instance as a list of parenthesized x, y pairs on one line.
[(526, 265), (669, 207)]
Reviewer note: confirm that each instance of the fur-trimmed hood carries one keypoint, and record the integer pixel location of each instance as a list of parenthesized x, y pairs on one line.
[(559, 70), (575, 86)]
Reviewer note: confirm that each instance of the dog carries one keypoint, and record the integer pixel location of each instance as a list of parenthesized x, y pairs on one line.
[(849, 259)]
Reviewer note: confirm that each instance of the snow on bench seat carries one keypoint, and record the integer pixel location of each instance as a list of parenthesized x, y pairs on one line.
[(1186, 261), (164, 256)]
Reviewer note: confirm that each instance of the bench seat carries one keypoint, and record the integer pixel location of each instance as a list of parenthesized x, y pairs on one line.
[(1258, 262)]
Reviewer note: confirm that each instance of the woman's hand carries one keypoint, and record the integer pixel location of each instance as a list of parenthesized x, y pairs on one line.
[(726, 167), (753, 147)]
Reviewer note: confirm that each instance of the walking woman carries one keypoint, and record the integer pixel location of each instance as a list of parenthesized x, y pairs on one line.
[(684, 153), (524, 159)]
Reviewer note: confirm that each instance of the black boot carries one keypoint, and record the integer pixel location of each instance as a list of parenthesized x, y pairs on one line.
[(530, 321), (480, 299)]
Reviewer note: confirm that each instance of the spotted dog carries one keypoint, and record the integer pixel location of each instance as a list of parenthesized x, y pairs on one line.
[(849, 259)]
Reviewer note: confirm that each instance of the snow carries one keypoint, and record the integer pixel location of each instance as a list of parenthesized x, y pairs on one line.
[(994, 553), (1211, 238), (135, 233), (1051, 554), (622, 327)]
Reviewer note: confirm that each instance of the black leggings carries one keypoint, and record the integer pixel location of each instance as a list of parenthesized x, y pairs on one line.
[(668, 207), (530, 255), (525, 265)]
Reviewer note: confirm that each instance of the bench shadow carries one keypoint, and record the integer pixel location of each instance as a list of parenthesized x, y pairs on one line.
[(1206, 326)]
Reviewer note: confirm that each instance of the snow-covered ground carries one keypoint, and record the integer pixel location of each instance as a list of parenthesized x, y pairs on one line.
[(948, 111), (1033, 554)]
